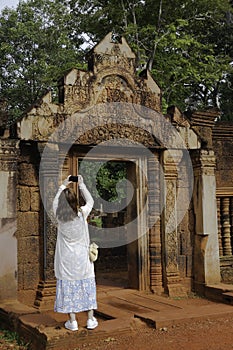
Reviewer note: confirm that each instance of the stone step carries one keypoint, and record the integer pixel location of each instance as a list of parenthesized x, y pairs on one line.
[(228, 297), (220, 292), (108, 312), (119, 312)]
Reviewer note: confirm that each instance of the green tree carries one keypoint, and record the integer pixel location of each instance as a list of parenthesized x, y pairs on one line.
[(35, 50), (102, 179), (187, 46), (226, 96)]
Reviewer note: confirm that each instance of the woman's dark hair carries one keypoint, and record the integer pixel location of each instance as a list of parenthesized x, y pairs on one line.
[(67, 208)]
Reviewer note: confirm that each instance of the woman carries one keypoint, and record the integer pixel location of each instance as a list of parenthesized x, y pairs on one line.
[(76, 287)]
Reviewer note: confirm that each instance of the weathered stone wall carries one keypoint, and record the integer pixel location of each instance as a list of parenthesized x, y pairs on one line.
[(8, 223), (223, 148), (28, 218), (111, 77), (185, 233)]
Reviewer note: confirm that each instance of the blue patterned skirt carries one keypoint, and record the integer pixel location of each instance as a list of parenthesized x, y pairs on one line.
[(75, 296)]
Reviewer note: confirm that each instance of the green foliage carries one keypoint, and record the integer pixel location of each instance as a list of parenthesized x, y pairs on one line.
[(35, 50), (13, 339), (102, 178), (226, 94), (187, 45), (107, 178), (97, 221)]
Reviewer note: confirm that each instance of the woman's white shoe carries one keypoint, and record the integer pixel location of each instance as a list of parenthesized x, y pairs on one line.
[(72, 326), (92, 323)]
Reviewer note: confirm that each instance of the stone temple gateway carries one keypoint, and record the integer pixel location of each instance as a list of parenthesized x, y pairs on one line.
[(195, 255)]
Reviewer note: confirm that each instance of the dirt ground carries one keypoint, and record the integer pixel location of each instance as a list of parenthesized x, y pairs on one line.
[(202, 335), (211, 334), (208, 334)]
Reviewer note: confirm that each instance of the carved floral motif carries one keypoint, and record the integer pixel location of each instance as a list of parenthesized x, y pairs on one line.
[(8, 155)]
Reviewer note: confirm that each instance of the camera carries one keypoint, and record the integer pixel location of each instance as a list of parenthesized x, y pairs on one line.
[(73, 178)]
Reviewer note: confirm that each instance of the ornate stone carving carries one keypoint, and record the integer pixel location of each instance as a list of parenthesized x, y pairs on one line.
[(117, 131), (204, 162), (45, 295), (155, 244), (114, 88), (49, 184), (8, 154), (203, 124), (81, 117), (111, 79), (219, 226), (173, 280), (226, 226)]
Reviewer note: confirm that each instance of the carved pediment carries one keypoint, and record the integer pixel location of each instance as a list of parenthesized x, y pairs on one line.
[(111, 81), (118, 134)]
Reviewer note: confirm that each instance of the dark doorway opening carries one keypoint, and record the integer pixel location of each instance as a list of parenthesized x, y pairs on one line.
[(117, 265)]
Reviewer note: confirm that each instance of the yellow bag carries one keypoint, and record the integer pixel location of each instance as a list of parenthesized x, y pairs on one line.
[(93, 252)]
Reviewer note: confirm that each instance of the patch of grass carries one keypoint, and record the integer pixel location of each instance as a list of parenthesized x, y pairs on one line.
[(13, 338)]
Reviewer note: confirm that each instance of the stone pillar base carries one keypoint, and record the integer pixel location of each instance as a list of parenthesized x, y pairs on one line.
[(158, 290), (199, 288), (175, 288), (177, 291), (45, 295)]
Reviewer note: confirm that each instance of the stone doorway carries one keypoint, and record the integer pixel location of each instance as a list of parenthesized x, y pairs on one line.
[(117, 226), (90, 112)]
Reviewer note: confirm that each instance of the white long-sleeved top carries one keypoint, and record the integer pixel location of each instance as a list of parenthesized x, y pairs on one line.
[(72, 247)]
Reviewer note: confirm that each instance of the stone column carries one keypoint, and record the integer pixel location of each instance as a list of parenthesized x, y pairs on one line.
[(8, 219), (49, 174), (172, 278), (206, 248), (64, 163), (219, 226), (155, 245), (226, 227)]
